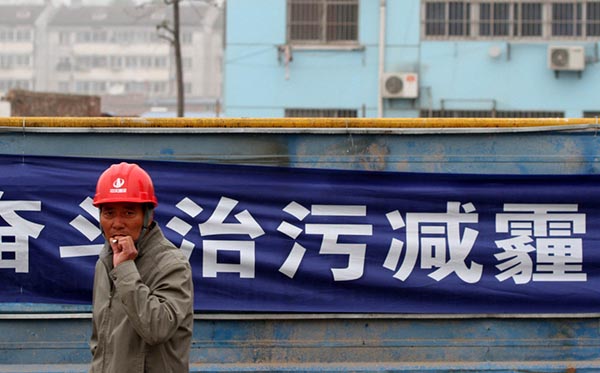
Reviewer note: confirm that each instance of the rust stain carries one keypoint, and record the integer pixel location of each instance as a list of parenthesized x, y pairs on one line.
[(373, 157)]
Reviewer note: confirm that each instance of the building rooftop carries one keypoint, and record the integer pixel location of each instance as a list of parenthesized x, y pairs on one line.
[(11, 15), (126, 15)]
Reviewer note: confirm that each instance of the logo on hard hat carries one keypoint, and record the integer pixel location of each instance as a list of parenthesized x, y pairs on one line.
[(118, 184)]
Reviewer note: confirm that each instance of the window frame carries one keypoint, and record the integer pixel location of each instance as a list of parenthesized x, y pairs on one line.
[(323, 33), (320, 113), (444, 113), (524, 20)]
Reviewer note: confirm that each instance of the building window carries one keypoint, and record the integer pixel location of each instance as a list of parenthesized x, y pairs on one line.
[(99, 36), (64, 64), (6, 35), (160, 62), (116, 62), (566, 19), (6, 61), (99, 62), (322, 21), (136, 87), (592, 19), (435, 19), (494, 19), (514, 19), (122, 36), (18, 35), (490, 114), (187, 37), (83, 37), (145, 62), (98, 87), (131, 62), (9, 61), (528, 20), (592, 114), (159, 87), (83, 63), (451, 18), (64, 38), (82, 87), (63, 86), (6, 85), (23, 35), (321, 113), (23, 60)]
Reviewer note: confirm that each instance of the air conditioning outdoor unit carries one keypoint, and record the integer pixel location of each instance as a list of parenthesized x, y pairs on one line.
[(566, 58), (400, 85)]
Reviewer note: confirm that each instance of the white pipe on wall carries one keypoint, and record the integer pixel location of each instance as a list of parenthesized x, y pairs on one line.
[(382, 16)]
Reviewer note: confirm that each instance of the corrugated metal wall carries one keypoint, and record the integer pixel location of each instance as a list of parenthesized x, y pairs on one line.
[(53, 338)]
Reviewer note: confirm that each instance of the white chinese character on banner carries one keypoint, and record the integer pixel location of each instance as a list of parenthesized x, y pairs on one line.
[(435, 238), (14, 238), (516, 262), (330, 243), (90, 229), (559, 255), (192, 209), (214, 226)]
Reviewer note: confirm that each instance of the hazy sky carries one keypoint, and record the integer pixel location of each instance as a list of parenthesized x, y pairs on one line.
[(38, 2), (218, 3)]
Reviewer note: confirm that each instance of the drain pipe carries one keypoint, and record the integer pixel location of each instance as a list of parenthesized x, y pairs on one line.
[(382, 16)]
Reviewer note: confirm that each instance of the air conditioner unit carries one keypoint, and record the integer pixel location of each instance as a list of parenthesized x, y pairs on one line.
[(566, 58), (400, 85)]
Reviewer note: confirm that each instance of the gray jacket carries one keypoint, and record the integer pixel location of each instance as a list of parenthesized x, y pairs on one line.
[(143, 310)]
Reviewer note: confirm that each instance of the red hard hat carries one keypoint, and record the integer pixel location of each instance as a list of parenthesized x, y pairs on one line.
[(125, 182)]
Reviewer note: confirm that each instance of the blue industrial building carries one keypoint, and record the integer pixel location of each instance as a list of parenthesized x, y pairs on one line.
[(412, 58), (290, 58)]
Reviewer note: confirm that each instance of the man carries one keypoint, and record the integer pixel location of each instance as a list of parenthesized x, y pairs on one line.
[(143, 291)]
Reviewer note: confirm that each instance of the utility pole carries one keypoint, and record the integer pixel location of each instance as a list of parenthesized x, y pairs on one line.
[(173, 36)]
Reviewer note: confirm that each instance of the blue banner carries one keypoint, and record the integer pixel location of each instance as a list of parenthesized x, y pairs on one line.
[(271, 239)]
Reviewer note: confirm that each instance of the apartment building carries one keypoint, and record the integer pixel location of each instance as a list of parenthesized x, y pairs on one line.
[(118, 53), (17, 46)]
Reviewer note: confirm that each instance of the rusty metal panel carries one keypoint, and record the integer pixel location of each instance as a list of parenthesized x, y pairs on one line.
[(505, 153), (30, 342), (333, 345)]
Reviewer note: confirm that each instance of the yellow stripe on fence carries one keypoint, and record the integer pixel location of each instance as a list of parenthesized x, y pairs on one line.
[(290, 123)]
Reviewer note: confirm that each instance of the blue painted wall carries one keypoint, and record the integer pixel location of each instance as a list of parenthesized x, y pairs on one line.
[(455, 75)]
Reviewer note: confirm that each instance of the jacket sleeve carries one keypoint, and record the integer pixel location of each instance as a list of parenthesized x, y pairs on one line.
[(100, 273), (156, 313), (93, 339)]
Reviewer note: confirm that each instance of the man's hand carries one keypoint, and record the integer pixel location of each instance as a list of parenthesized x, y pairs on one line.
[(123, 249)]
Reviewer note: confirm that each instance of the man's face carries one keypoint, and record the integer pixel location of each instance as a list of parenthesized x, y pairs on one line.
[(120, 219)]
